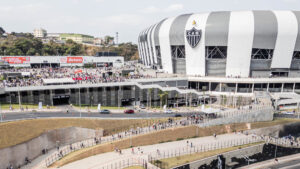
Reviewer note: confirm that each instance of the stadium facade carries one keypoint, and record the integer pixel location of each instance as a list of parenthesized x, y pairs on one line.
[(225, 44)]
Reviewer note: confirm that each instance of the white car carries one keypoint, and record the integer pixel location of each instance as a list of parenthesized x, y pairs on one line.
[(160, 71), (286, 112), (169, 111)]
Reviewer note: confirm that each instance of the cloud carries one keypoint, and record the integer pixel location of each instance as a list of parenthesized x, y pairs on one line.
[(150, 9), (171, 8), (127, 19), (290, 1), (174, 7)]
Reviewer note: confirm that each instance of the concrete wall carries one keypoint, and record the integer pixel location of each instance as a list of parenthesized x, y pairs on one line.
[(15, 155), (237, 153), (278, 130), (259, 115)]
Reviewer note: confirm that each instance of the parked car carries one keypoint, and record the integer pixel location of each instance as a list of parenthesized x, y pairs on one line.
[(104, 111), (177, 115), (129, 111), (288, 112), (142, 106), (169, 111)]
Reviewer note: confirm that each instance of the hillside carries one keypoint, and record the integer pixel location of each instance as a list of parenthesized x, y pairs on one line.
[(30, 46)]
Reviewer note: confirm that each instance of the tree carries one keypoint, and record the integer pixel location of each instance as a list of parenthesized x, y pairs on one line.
[(108, 40), (2, 31)]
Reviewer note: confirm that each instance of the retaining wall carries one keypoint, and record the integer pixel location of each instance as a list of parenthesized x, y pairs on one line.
[(15, 155), (256, 116), (237, 153)]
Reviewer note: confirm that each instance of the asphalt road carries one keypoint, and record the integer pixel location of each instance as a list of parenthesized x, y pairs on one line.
[(294, 164), (33, 115)]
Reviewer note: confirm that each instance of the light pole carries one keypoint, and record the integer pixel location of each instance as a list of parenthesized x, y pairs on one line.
[(20, 105), (276, 149), (79, 103), (1, 112)]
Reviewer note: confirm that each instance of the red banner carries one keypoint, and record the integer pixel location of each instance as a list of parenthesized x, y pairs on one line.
[(16, 60), (74, 59), (78, 71)]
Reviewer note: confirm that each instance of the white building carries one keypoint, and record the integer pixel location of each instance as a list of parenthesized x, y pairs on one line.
[(39, 33), (225, 44)]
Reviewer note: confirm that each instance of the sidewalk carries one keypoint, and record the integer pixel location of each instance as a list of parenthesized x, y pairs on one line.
[(101, 160), (6, 111), (269, 163)]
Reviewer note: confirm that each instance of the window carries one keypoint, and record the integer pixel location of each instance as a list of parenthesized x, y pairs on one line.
[(262, 53), (178, 52), (216, 52), (296, 55), (157, 50)]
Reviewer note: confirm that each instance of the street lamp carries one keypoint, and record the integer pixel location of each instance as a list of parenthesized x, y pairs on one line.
[(79, 103), (1, 113)]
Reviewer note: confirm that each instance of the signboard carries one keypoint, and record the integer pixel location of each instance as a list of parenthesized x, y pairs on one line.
[(69, 59), (74, 59), (40, 105), (16, 60), (99, 107)]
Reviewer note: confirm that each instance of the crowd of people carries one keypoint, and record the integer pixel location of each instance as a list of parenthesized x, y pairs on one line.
[(34, 77)]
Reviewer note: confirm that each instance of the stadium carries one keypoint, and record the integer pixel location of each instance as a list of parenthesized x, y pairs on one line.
[(243, 44)]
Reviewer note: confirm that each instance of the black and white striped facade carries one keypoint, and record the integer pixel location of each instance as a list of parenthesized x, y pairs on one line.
[(241, 43)]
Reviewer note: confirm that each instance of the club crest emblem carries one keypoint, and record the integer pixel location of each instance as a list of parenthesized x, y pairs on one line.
[(193, 37)]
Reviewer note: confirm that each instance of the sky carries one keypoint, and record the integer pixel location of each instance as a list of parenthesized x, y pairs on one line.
[(106, 17)]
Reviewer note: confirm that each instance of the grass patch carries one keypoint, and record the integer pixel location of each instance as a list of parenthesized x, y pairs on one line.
[(16, 106), (135, 167), (175, 161), (164, 136), (16, 132)]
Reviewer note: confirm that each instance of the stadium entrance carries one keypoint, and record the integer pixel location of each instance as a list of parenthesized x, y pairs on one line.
[(61, 100), (127, 102), (41, 65)]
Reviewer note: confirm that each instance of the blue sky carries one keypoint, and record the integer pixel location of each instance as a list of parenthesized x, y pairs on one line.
[(105, 17)]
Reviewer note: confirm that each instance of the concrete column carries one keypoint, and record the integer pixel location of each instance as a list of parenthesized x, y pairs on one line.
[(209, 86), (253, 88), (268, 87), (282, 85), (220, 87), (294, 85), (87, 97), (51, 97), (30, 96), (236, 87), (104, 93), (113, 97), (120, 96)]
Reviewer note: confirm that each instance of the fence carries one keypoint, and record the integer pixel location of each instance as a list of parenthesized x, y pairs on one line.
[(284, 141), (156, 127), (259, 114), (127, 163), (61, 152), (187, 150)]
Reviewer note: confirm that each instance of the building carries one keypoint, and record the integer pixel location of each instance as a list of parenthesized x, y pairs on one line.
[(98, 41), (61, 61), (225, 44), (78, 38), (39, 33)]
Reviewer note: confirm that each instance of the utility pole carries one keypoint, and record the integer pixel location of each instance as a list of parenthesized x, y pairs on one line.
[(20, 105), (1, 113), (276, 148), (79, 103)]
